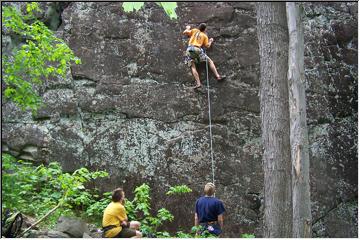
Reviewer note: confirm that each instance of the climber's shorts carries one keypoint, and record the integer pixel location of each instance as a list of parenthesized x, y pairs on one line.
[(194, 54)]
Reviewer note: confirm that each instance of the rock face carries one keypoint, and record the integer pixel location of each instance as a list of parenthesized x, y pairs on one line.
[(128, 109), (331, 72)]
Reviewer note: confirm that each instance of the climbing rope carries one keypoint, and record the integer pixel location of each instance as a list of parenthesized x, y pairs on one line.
[(210, 126)]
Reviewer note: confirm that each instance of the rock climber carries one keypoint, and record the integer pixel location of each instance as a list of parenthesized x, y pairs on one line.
[(209, 212), (196, 54), (115, 222)]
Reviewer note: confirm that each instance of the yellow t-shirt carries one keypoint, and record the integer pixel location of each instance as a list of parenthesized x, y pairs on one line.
[(114, 214), (198, 38)]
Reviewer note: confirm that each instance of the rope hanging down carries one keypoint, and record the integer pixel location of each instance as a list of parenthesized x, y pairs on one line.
[(210, 126)]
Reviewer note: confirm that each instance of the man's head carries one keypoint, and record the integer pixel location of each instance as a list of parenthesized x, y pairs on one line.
[(118, 195), (209, 189), (202, 27)]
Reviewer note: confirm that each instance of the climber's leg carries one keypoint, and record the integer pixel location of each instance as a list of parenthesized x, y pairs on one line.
[(214, 70), (196, 75)]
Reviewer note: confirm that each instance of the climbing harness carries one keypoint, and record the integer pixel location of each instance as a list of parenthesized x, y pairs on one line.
[(210, 126)]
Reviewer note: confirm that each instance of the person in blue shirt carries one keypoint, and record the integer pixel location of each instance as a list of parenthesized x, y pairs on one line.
[(209, 211)]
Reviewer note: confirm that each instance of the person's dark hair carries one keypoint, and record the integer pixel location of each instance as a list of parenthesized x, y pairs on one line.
[(117, 195), (202, 27)]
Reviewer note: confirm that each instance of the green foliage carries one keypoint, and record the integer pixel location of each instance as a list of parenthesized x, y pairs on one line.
[(35, 190), (192, 234), (142, 199), (181, 234), (169, 7), (41, 56), (96, 209), (247, 235), (139, 208), (131, 6), (195, 230), (180, 189)]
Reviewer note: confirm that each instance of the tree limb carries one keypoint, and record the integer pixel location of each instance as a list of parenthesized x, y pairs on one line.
[(41, 219)]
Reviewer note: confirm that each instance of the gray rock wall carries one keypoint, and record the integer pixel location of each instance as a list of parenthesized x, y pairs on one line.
[(128, 108), (331, 74)]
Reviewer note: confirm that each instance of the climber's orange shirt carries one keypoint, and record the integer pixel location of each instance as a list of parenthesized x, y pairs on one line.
[(114, 214), (198, 38)]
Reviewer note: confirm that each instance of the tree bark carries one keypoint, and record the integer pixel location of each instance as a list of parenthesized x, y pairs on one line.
[(298, 130), (275, 123)]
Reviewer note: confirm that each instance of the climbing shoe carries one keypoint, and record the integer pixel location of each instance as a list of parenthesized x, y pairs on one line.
[(221, 78)]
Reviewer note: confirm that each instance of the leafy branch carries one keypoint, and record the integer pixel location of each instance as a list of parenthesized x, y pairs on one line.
[(169, 7), (41, 55)]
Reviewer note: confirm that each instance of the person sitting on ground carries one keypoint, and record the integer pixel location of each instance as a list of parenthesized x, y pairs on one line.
[(209, 211), (195, 54), (115, 222)]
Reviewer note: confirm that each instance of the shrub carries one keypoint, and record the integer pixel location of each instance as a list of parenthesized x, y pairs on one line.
[(36, 190)]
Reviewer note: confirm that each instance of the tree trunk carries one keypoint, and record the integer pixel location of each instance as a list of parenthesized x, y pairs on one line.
[(275, 123), (298, 131)]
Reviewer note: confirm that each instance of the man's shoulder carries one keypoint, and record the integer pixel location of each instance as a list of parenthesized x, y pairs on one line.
[(119, 205), (219, 201), (216, 201), (208, 199), (194, 31), (201, 198), (116, 205)]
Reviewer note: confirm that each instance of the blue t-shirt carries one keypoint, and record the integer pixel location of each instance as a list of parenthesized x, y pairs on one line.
[(208, 209)]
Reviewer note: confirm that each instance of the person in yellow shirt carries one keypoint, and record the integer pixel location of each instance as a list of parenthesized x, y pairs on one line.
[(115, 222), (195, 53)]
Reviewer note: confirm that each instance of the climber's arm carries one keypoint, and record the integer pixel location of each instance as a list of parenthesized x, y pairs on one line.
[(208, 43), (221, 220), (196, 220), (187, 31)]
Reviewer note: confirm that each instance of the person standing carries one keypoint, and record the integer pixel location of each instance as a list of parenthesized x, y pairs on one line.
[(115, 222), (209, 211)]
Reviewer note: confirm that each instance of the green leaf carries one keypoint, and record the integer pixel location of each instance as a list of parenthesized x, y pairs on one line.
[(77, 61), (247, 235), (9, 92), (131, 6), (180, 189), (170, 8)]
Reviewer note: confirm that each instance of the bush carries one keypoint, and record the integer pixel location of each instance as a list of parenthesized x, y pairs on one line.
[(139, 208), (36, 190)]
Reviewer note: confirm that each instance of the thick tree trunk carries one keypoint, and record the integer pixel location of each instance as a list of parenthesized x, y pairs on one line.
[(298, 131), (274, 106)]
